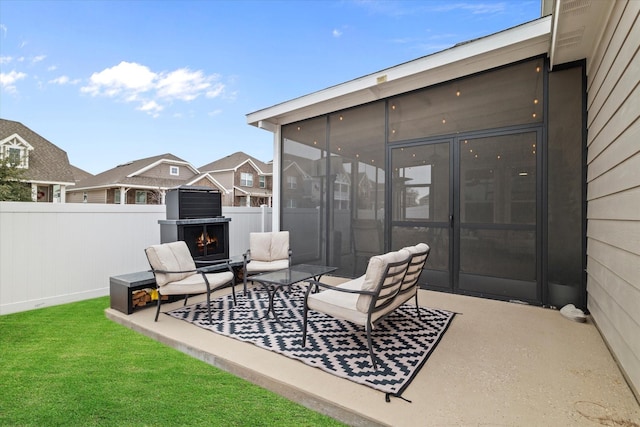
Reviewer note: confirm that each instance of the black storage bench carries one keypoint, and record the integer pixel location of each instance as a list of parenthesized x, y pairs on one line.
[(121, 289)]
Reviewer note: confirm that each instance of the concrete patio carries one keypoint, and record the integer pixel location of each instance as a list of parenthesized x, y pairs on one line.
[(498, 364)]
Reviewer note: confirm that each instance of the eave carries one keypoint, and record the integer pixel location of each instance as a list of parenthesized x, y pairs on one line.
[(512, 45)]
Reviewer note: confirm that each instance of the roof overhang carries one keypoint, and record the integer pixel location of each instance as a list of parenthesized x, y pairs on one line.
[(577, 28), (512, 45)]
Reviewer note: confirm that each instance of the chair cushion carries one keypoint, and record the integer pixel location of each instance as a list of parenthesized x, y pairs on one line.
[(260, 246), (263, 266), (280, 245), (270, 246), (195, 284), (375, 270), (340, 304), (174, 256)]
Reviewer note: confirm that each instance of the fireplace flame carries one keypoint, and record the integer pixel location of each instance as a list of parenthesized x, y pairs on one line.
[(207, 241)]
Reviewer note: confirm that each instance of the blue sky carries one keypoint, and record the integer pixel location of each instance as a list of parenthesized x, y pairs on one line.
[(114, 81)]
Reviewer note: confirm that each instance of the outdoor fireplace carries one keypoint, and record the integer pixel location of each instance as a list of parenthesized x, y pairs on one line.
[(194, 215)]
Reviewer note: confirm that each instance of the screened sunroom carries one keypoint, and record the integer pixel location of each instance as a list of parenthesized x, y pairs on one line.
[(478, 151)]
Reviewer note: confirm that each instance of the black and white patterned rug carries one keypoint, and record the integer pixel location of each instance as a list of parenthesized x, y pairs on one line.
[(402, 342)]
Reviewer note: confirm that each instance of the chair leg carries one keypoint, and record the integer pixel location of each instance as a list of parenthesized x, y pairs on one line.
[(373, 357), (304, 326), (186, 297), (417, 306), (158, 306), (244, 278), (233, 291), (209, 306)]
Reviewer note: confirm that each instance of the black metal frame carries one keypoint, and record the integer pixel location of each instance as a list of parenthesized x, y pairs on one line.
[(388, 291), (211, 268)]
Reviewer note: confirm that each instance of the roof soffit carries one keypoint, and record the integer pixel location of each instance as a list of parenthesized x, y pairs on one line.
[(577, 28), (512, 45)]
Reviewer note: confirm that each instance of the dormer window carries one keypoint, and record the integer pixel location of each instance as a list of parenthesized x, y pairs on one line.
[(174, 170), (16, 150)]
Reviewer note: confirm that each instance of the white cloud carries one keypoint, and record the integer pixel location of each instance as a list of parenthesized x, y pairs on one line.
[(215, 91), (52, 68), (152, 91), (38, 58), (64, 80), (336, 33), (5, 59), (214, 113), (124, 77), (8, 80), (3, 28), (151, 106), (183, 84)]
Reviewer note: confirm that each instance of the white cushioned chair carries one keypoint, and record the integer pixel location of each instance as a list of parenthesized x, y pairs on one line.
[(364, 300), (267, 252), (176, 273)]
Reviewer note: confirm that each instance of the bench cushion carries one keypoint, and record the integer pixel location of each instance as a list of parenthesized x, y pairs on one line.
[(340, 304)]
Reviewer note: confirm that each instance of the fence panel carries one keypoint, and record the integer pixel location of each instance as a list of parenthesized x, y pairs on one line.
[(54, 253)]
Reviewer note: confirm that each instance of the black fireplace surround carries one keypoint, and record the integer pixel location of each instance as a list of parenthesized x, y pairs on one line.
[(194, 215)]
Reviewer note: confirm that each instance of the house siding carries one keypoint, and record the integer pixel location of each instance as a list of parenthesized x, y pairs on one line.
[(613, 187)]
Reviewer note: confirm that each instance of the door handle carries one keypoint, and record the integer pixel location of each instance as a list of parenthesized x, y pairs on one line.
[(451, 221)]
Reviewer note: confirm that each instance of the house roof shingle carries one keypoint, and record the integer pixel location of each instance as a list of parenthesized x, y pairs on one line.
[(233, 161), (124, 174), (47, 162)]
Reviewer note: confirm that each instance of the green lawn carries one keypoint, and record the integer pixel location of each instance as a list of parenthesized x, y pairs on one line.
[(69, 365)]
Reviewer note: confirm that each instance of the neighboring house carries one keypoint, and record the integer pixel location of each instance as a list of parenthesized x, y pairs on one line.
[(521, 149), (247, 180), (143, 181), (79, 174), (47, 168)]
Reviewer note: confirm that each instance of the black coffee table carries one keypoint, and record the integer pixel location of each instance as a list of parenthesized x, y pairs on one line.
[(274, 280)]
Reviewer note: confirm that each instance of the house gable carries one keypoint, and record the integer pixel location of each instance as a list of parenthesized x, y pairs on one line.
[(167, 169), (16, 149)]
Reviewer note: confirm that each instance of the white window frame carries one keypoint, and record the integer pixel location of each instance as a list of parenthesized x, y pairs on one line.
[(116, 196), (292, 182), (174, 170), (246, 179), (262, 181)]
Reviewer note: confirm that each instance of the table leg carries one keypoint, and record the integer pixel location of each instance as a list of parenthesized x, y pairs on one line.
[(271, 291)]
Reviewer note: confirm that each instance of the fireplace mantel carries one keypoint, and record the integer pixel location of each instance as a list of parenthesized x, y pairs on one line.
[(193, 221)]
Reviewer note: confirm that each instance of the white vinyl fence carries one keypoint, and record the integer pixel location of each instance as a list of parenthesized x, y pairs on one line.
[(54, 253)]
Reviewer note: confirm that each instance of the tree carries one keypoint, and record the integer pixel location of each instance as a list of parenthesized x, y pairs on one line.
[(12, 186)]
